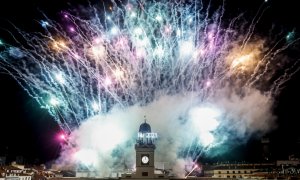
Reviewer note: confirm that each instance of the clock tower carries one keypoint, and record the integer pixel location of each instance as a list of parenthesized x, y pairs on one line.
[(144, 148), (144, 151)]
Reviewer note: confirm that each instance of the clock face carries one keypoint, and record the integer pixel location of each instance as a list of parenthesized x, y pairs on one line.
[(145, 159)]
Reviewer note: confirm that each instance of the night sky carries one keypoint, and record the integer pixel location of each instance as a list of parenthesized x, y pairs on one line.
[(29, 131)]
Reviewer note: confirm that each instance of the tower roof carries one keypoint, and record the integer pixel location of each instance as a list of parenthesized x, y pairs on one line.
[(145, 128)]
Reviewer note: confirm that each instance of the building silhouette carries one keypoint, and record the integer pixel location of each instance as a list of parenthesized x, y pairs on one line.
[(266, 152)]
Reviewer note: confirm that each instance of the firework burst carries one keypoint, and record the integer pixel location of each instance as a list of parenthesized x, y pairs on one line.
[(141, 52)]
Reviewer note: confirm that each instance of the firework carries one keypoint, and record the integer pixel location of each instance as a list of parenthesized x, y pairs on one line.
[(140, 52)]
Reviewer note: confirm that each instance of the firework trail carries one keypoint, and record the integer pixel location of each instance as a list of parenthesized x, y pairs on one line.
[(155, 55)]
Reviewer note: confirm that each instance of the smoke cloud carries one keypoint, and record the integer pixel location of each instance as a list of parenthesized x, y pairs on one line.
[(106, 142)]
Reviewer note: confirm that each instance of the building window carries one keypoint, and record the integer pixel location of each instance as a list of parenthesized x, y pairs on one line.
[(245, 172), (233, 172), (228, 176), (219, 172), (239, 172), (227, 172), (233, 177), (144, 173)]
